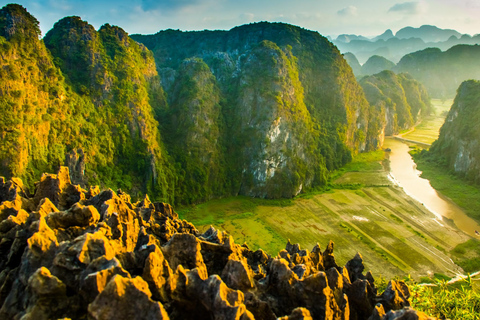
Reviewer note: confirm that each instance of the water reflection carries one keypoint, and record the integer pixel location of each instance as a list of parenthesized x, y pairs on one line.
[(403, 171)]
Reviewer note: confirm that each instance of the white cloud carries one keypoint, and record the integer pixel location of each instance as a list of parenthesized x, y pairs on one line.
[(409, 7), (247, 17), (348, 11)]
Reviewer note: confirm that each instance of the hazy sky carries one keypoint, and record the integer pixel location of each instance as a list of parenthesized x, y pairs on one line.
[(366, 17)]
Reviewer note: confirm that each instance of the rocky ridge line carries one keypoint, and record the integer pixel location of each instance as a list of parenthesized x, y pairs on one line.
[(72, 253)]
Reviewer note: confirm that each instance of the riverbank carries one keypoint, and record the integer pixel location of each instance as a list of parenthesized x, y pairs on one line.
[(362, 212)]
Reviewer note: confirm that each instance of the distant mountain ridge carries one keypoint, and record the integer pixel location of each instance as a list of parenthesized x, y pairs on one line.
[(427, 33), (405, 41), (442, 72)]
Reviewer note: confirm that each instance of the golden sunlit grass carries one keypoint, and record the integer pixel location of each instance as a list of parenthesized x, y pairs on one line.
[(427, 131)]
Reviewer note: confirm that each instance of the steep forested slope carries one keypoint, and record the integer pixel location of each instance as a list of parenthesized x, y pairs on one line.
[(458, 145), (398, 101), (291, 106), (90, 97), (376, 64), (264, 110)]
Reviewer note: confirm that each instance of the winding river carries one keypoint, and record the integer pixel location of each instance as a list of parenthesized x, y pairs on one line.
[(403, 171)]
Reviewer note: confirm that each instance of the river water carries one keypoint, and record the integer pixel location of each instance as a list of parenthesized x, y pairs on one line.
[(404, 172)]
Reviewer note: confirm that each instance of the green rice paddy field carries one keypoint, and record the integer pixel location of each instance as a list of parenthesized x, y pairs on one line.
[(361, 212)]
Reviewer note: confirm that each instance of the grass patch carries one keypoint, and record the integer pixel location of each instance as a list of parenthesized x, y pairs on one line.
[(367, 161), (421, 235), (467, 255), (460, 300), (394, 217)]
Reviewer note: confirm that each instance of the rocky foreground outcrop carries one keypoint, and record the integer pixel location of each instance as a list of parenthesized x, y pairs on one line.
[(72, 253)]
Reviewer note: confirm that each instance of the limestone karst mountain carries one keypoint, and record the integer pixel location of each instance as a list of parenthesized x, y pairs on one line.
[(442, 72), (265, 110), (457, 146), (72, 253), (376, 64), (398, 101), (90, 98)]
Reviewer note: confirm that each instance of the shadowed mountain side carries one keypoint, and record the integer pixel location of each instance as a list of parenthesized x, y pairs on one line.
[(457, 146), (290, 103)]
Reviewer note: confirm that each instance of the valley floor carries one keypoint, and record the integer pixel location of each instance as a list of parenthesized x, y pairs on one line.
[(362, 212)]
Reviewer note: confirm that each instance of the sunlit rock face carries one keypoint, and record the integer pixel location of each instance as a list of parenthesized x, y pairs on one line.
[(458, 145), (104, 257)]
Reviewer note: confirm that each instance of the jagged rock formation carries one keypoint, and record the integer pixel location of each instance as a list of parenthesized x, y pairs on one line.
[(458, 145), (398, 101), (72, 253)]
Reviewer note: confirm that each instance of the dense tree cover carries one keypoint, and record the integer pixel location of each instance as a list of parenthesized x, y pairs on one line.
[(353, 63), (102, 106), (397, 101), (193, 129), (376, 64), (458, 146), (292, 67), (36, 107), (265, 110)]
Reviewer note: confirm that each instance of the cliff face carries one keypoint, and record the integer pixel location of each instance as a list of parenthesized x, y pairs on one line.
[(398, 101), (92, 97), (264, 110), (193, 128), (116, 74), (290, 103), (37, 108), (458, 145), (71, 253)]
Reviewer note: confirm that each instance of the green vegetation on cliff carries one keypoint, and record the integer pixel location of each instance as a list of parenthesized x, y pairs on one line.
[(398, 101), (36, 106), (193, 128), (91, 95), (290, 104), (376, 64), (264, 110), (457, 146)]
